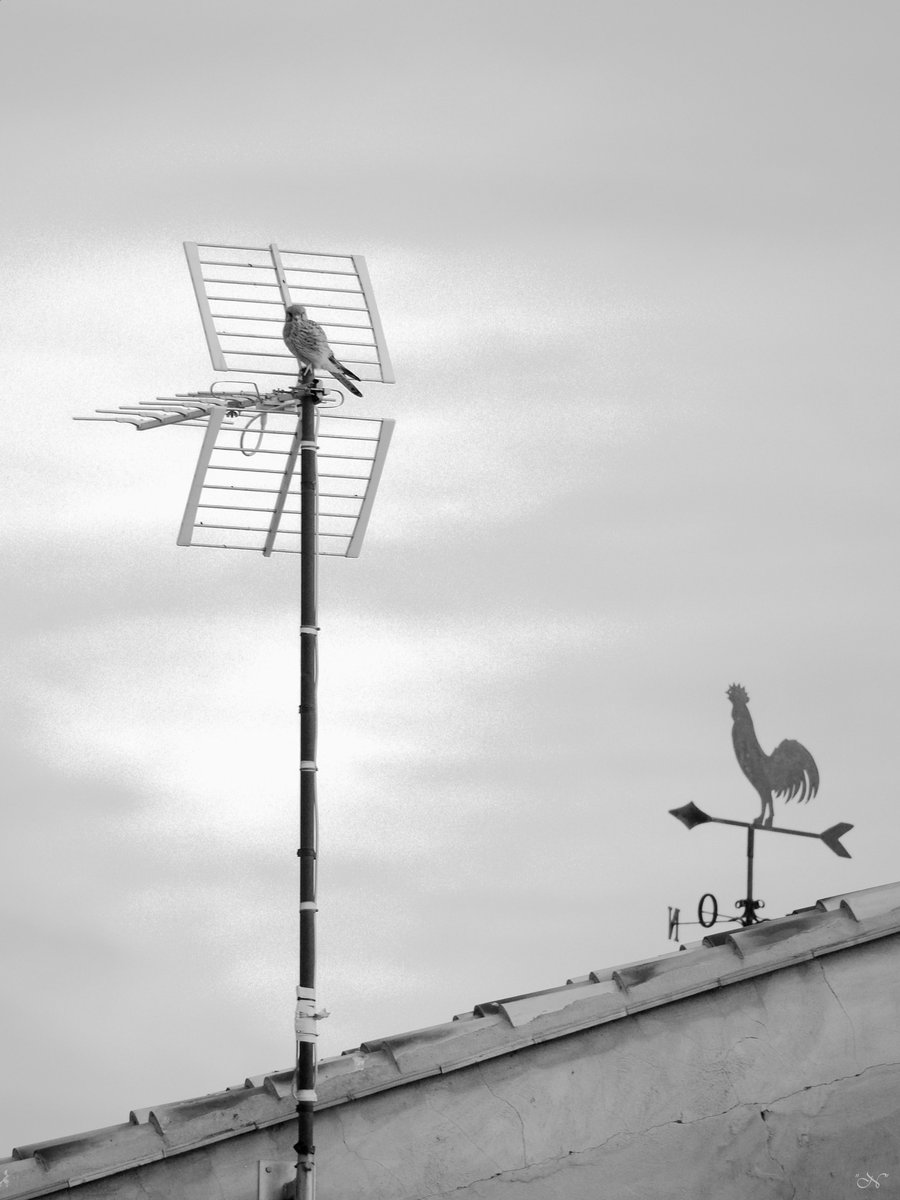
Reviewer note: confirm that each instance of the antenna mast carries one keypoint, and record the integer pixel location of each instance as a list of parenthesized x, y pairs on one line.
[(306, 1014), (251, 505)]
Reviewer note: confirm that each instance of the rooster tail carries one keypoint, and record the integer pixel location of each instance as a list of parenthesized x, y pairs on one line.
[(792, 771)]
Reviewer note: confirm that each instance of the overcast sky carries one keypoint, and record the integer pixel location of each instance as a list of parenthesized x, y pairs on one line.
[(637, 266)]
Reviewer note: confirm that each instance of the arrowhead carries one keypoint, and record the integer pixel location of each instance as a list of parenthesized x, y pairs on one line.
[(690, 815), (832, 838)]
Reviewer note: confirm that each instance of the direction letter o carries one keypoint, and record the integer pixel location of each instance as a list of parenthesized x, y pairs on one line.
[(701, 914)]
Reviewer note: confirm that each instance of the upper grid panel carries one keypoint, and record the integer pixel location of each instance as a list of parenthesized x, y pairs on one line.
[(242, 292)]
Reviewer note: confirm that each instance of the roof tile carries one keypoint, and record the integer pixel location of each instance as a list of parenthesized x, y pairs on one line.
[(870, 902), (675, 977), (356, 1073), (22, 1177), (522, 1010), (189, 1122), (442, 1045), (86, 1152), (602, 974), (277, 1083)]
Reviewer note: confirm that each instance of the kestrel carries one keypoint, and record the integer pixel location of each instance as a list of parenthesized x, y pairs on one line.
[(307, 342)]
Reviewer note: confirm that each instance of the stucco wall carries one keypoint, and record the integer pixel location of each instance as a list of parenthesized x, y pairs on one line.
[(786, 1085)]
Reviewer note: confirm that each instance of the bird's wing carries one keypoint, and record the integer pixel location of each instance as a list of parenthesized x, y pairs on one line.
[(286, 331), (317, 339), (792, 771), (295, 342)]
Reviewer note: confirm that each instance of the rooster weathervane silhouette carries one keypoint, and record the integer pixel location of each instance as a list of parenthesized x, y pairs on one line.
[(789, 771)]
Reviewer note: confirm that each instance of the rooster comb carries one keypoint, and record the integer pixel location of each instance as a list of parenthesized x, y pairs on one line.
[(736, 692)]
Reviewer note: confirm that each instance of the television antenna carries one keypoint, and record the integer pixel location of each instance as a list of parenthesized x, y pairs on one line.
[(258, 485)]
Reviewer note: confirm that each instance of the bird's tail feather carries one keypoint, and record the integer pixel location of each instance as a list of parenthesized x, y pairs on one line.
[(342, 378), (346, 370)]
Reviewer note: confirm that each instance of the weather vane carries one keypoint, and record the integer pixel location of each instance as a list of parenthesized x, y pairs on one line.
[(789, 772), (249, 477)]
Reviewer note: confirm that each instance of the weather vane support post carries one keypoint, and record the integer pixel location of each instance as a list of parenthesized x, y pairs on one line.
[(748, 904)]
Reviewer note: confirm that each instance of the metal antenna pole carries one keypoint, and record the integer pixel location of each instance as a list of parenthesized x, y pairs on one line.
[(237, 504), (305, 1019)]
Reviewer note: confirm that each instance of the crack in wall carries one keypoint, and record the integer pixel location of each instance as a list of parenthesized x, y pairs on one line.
[(770, 1133), (809, 1087), (456, 1125), (752, 1105), (363, 1158), (840, 1006), (831, 1083), (491, 1091), (723, 1066)]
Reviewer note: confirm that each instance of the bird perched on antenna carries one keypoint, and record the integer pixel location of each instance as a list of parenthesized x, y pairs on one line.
[(789, 771), (307, 342)]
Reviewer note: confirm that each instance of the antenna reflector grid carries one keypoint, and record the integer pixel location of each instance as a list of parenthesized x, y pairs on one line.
[(242, 292), (245, 494)]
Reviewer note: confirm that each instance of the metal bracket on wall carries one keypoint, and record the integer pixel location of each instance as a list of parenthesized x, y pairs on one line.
[(276, 1180)]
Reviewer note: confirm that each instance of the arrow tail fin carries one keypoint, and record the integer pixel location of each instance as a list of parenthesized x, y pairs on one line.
[(832, 838)]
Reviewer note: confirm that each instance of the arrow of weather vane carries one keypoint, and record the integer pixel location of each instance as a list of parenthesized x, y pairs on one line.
[(690, 816)]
